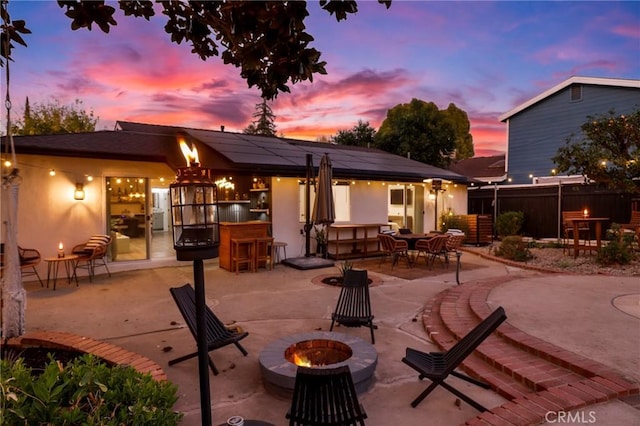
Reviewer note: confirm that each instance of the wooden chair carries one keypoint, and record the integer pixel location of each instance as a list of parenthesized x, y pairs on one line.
[(264, 252), (567, 228), (432, 248), (29, 259), (634, 223), (93, 254), (354, 304), (437, 366), (394, 249), (325, 397), (218, 335), (243, 252)]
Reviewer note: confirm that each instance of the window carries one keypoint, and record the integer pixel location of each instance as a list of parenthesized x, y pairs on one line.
[(341, 201), (575, 92)]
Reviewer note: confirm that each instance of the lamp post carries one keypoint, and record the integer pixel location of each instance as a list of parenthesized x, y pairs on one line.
[(196, 236)]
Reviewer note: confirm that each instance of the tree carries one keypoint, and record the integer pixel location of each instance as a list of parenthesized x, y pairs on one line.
[(266, 40), (418, 130), (53, 119), (460, 122), (608, 152), (362, 134), (264, 123)]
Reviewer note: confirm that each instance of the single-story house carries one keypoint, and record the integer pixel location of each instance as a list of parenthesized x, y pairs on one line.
[(125, 176)]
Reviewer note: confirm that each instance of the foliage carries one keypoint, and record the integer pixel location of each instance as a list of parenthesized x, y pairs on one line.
[(464, 140), (267, 41), (418, 130), (54, 119), (84, 391), (320, 234), (448, 220), (362, 134), (514, 248), (509, 223), (264, 123), (608, 153), (619, 249), (11, 31), (347, 265)]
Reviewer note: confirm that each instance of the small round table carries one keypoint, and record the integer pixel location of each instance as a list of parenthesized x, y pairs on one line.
[(53, 265)]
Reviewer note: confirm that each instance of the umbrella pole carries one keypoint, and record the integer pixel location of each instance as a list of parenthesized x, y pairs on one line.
[(307, 226)]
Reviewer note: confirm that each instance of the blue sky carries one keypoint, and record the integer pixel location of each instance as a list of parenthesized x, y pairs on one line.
[(486, 57)]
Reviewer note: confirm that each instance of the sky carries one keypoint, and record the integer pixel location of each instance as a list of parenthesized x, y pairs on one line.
[(485, 57)]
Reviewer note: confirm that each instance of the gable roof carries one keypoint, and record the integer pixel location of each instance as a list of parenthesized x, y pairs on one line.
[(598, 81), (484, 169), (227, 151)]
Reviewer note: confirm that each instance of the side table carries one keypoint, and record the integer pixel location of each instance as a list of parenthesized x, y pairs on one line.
[(53, 266)]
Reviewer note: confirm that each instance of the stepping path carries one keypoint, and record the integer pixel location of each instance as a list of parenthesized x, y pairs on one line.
[(536, 377)]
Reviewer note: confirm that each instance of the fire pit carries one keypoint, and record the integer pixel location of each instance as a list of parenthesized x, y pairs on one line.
[(280, 359)]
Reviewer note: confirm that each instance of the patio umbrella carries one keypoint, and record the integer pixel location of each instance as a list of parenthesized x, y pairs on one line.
[(324, 211)]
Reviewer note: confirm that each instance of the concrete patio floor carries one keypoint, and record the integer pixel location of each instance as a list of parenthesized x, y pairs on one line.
[(595, 316)]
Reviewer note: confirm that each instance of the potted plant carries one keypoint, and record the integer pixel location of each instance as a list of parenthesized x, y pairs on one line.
[(320, 234)]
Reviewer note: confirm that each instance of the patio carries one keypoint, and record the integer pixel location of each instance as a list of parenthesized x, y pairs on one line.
[(134, 310)]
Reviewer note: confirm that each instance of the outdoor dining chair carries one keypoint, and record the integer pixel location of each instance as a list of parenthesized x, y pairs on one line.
[(93, 254), (432, 248), (394, 249)]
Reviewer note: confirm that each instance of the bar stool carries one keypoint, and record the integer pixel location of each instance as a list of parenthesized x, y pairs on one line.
[(264, 252), (277, 245), (243, 252)]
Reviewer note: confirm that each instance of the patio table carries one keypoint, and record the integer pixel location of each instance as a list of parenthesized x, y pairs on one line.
[(576, 237), (412, 238), (53, 265)]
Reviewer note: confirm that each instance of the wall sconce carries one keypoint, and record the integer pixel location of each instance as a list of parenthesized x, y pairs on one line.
[(78, 194)]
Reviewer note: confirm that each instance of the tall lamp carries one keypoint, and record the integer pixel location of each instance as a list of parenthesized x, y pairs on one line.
[(196, 236)]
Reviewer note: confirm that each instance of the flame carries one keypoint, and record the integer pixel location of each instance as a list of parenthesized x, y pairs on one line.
[(60, 246), (585, 212), (191, 155), (301, 360)]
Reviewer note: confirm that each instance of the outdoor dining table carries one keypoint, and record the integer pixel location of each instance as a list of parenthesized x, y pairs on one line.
[(576, 237), (411, 239), (53, 265)]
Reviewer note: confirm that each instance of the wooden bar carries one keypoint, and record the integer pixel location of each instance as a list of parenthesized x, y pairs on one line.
[(229, 230)]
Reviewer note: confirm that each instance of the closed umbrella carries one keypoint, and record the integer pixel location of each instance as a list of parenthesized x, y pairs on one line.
[(324, 211)]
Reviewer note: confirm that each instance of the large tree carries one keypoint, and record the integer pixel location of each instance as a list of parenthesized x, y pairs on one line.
[(265, 39), (264, 121), (53, 118), (362, 134), (608, 151), (418, 130), (460, 122)]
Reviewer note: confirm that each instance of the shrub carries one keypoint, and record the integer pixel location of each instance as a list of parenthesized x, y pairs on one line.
[(347, 265), (448, 220), (509, 223), (84, 391), (619, 248), (514, 248)]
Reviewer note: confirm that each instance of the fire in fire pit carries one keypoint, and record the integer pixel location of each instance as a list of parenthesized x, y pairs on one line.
[(317, 352)]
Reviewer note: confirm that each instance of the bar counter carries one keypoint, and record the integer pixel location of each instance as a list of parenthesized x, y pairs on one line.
[(230, 230)]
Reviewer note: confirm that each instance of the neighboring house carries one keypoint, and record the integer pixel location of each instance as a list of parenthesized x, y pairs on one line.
[(484, 170), (126, 173), (539, 127)]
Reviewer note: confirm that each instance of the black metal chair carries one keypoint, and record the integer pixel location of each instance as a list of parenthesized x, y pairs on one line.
[(218, 335), (354, 303), (325, 397), (437, 366)]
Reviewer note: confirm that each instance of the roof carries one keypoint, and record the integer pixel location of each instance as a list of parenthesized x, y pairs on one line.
[(228, 151), (613, 82), (485, 169)]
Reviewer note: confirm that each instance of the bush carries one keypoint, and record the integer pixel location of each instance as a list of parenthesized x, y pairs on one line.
[(619, 248), (450, 221), (514, 248), (84, 391), (509, 223)]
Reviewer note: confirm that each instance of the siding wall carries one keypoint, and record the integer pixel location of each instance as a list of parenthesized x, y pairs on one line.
[(536, 133)]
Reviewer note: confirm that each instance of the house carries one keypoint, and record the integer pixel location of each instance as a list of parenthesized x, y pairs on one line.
[(484, 170), (540, 126), (124, 177)]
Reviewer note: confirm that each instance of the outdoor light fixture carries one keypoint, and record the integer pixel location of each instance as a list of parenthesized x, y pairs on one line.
[(78, 194), (196, 236)]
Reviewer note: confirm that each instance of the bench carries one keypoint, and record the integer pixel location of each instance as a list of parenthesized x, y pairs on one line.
[(218, 335), (437, 366)]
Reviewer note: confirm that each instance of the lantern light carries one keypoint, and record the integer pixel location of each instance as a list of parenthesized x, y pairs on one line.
[(78, 194)]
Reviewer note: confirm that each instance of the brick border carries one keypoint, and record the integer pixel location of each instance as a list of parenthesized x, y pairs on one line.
[(110, 353)]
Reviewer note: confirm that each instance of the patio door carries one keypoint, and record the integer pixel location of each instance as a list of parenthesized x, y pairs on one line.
[(128, 215)]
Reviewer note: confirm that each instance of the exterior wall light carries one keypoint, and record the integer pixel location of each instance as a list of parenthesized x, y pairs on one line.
[(78, 194)]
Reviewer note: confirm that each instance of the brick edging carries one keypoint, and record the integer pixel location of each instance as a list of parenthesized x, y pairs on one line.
[(110, 353)]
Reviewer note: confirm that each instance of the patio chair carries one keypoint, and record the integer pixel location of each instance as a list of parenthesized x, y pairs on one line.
[(568, 230), (92, 254), (432, 248), (325, 397), (218, 335), (29, 259), (394, 249), (452, 245), (437, 366), (354, 304)]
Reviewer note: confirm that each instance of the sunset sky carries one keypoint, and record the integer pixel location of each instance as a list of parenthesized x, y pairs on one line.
[(486, 57)]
